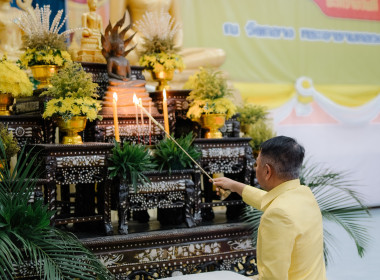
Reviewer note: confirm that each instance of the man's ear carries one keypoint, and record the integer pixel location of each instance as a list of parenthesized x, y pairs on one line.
[(269, 171)]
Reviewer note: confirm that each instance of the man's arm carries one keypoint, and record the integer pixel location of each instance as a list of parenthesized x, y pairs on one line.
[(251, 195), (229, 184)]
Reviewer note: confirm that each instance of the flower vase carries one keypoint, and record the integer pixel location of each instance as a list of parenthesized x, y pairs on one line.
[(6, 99), (162, 77), (213, 122), (71, 127), (43, 73)]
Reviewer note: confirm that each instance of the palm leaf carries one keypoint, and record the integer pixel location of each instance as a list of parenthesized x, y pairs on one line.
[(26, 237), (129, 162), (169, 156)]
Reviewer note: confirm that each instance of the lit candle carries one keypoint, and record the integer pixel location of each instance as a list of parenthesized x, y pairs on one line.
[(136, 101), (170, 137), (142, 121), (150, 123), (165, 111), (115, 119)]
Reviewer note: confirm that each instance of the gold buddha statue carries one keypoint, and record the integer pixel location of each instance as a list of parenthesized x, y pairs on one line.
[(91, 46), (193, 57), (10, 33)]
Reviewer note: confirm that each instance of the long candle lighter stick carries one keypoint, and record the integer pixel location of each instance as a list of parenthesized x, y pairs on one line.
[(171, 138)]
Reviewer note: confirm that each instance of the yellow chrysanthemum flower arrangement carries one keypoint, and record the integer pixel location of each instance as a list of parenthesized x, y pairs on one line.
[(43, 44), (73, 94), (159, 62), (159, 51), (209, 94), (48, 56), (13, 80)]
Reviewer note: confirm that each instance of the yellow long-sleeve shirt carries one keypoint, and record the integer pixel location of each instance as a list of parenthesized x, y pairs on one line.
[(290, 235)]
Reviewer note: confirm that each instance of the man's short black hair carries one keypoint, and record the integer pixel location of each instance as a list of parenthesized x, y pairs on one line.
[(284, 154)]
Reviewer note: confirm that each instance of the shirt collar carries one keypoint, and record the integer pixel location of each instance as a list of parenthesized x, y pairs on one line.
[(276, 191)]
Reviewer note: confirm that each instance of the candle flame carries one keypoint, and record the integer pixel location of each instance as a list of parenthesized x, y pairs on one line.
[(115, 96), (135, 99), (164, 94)]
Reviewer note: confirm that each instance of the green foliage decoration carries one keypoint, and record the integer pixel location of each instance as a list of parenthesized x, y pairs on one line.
[(254, 122), (250, 113), (338, 203), (129, 161), (169, 156), (260, 131), (209, 94), (72, 81), (27, 241), (73, 94), (9, 143)]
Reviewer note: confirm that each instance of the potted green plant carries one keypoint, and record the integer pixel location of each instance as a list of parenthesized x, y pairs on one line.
[(159, 54), (45, 47), (260, 131), (254, 123), (210, 100), (249, 114), (169, 156), (172, 160), (338, 202), (14, 83), (128, 163), (73, 101), (30, 246)]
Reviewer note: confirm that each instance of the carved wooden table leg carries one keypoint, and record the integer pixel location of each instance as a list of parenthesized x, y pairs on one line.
[(123, 206), (107, 207), (189, 202)]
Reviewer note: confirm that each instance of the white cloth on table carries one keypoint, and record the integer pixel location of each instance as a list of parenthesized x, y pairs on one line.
[(215, 275)]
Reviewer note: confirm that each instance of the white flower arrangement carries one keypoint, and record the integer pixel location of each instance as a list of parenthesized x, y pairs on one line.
[(158, 25), (159, 51), (43, 38)]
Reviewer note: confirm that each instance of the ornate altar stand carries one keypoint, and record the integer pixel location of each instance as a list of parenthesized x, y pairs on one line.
[(30, 129), (104, 130), (167, 253), (83, 165), (178, 190), (177, 103), (231, 156)]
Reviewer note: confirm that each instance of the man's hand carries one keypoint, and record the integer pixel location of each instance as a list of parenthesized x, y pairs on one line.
[(228, 184)]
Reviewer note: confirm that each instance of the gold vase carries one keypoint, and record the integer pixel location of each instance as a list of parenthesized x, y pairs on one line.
[(163, 77), (6, 99), (71, 127), (43, 73), (213, 122)]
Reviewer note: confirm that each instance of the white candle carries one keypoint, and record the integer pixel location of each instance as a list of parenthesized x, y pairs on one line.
[(150, 123), (115, 117), (168, 135), (142, 120), (165, 111), (136, 101)]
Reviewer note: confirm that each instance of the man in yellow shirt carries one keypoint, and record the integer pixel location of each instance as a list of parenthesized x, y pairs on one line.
[(290, 235)]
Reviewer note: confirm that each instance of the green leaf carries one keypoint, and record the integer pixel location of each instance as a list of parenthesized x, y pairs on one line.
[(169, 156), (26, 234)]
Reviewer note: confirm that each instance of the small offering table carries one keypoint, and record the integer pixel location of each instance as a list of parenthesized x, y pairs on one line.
[(84, 165), (231, 156)]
